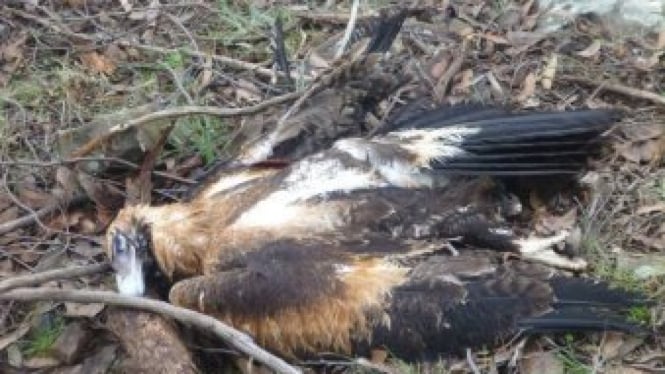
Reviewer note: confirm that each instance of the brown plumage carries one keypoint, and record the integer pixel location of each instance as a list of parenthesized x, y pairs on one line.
[(342, 250)]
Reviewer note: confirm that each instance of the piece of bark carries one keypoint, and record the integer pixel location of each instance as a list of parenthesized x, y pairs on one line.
[(71, 343), (150, 341)]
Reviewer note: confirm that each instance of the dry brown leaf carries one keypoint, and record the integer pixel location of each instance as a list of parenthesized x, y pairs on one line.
[(466, 78), (5, 201), (461, 28), (67, 180), (522, 40), (11, 57), (40, 363), (247, 91), (97, 63), (13, 336), (378, 356), (591, 50), (654, 208), (557, 223), (528, 88), (541, 362), (13, 49), (536, 203), (648, 151), (660, 40), (616, 345), (75, 3), (114, 53), (495, 38), (105, 195), (35, 199), (509, 18), (440, 66), (655, 243), (126, 5), (527, 7), (207, 74), (494, 84), (9, 214), (646, 63), (628, 370)]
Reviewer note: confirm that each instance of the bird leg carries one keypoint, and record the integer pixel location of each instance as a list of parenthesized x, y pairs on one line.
[(540, 250)]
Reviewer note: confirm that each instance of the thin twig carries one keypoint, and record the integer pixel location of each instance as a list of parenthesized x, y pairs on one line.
[(35, 279), (472, 364), (61, 29), (178, 83), (349, 29), (233, 337), (180, 112), (228, 61), (182, 27), (455, 66), (77, 160), (617, 88)]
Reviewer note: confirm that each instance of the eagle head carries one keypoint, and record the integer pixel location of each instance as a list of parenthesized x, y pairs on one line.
[(128, 249)]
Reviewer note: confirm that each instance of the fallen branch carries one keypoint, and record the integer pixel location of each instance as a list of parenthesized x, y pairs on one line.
[(617, 88), (180, 112), (35, 279), (235, 338), (37, 215), (77, 160)]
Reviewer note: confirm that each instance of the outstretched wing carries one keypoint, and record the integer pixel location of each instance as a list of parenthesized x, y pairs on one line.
[(427, 151), (301, 299)]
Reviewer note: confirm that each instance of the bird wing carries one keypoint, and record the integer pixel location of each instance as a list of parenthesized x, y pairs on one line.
[(303, 298), (473, 139)]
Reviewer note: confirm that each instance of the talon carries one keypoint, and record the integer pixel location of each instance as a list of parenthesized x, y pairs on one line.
[(540, 250), (531, 245)]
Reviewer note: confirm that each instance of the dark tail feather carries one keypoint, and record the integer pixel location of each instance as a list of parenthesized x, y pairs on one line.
[(582, 291), (586, 305), (420, 115), (579, 319), (528, 128), (385, 32), (508, 144)]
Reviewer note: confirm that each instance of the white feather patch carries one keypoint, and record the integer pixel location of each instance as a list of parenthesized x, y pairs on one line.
[(397, 171), (226, 183), (312, 177)]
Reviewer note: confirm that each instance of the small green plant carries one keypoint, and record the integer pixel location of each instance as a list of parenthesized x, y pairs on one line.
[(42, 337), (571, 363), (206, 135), (660, 188), (639, 314), (174, 60), (245, 21)]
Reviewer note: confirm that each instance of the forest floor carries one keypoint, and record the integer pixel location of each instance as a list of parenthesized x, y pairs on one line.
[(87, 88)]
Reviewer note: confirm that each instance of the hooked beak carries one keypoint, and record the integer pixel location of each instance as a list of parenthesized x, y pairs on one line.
[(128, 254), (129, 280)]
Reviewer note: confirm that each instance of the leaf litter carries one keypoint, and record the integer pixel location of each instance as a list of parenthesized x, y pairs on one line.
[(506, 58)]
